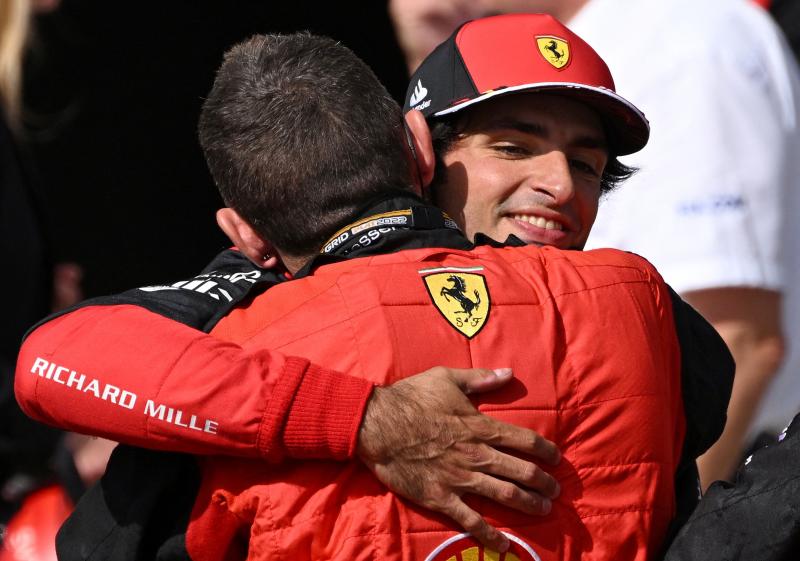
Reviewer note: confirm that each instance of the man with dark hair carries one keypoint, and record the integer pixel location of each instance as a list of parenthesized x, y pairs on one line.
[(333, 188), (558, 154)]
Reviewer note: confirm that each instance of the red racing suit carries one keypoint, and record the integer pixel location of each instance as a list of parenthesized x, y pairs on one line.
[(114, 368), (592, 341), (150, 342)]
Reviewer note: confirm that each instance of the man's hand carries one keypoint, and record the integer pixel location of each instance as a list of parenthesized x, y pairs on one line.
[(423, 438)]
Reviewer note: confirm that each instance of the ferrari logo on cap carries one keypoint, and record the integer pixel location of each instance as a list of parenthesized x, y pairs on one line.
[(461, 296), (554, 50), (464, 547)]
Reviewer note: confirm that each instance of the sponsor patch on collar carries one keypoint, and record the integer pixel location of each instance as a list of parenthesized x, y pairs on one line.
[(464, 547)]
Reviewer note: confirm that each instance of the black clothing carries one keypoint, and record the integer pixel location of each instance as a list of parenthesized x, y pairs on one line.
[(756, 517)]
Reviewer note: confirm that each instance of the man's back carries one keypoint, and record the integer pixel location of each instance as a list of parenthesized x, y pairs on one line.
[(612, 404)]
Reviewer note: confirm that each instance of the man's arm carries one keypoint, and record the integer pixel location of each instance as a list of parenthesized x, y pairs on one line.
[(130, 375), (749, 321)]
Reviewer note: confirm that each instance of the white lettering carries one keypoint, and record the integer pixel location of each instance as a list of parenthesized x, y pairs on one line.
[(156, 288), (423, 105), (39, 364), (250, 276), (110, 393), (127, 399), (56, 374), (73, 377), (380, 222), (178, 415), (94, 387), (75, 380), (193, 423), (336, 242), (151, 410), (222, 291)]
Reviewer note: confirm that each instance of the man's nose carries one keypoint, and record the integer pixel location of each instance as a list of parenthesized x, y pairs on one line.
[(551, 175)]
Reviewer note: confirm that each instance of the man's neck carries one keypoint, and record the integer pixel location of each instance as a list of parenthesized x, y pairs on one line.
[(294, 263)]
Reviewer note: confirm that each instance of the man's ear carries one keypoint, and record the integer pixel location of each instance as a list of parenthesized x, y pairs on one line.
[(421, 147), (243, 235)]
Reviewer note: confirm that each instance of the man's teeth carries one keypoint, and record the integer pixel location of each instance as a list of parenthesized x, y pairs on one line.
[(539, 221)]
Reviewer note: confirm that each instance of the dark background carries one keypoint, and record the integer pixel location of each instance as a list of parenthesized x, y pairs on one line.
[(113, 94)]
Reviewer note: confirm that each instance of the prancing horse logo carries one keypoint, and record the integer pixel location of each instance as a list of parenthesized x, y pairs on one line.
[(555, 50), (460, 296), (458, 291)]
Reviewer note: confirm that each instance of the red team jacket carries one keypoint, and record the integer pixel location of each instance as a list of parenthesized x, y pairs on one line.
[(612, 404), (116, 369), (138, 368)]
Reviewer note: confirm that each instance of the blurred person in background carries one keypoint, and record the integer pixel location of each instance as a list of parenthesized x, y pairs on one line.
[(42, 472), (420, 25), (783, 396), (25, 447), (716, 201)]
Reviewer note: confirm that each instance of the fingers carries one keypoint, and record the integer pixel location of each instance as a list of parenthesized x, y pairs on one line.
[(482, 459), (510, 495), (474, 380), (498, 433), (519, 471), (474, 523)]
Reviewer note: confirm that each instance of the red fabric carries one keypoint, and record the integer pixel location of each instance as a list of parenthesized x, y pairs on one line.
[(512, 34), (327, 412), (591, 339), (182, 370), (31, 532)]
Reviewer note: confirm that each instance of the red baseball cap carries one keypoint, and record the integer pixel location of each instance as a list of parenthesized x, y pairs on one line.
[(519, 53)]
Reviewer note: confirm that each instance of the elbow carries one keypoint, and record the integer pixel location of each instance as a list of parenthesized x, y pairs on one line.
[(771, 354), (26, 376)]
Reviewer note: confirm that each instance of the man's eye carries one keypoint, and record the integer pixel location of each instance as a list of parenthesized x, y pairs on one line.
[(511, 150), (584, 167)]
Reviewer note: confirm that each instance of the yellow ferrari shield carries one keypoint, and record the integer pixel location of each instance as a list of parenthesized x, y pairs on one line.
[(461, 297), (554, 50)]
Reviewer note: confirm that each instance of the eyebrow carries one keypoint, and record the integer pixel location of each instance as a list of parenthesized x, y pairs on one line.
[(537, 129)]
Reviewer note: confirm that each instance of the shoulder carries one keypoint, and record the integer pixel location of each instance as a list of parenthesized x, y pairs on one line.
[(600, 258), (569, 270)]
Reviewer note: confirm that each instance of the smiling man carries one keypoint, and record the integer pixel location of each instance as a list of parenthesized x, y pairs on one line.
[(528, 165), (526, 134)]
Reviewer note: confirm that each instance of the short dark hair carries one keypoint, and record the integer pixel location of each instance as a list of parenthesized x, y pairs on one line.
[(445, 131), (299, 134)]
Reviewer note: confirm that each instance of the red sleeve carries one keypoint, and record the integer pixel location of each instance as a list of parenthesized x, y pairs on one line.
[(133, 376)]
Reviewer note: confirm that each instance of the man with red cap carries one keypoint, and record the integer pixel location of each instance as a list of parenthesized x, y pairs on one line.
[(534, 164)]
